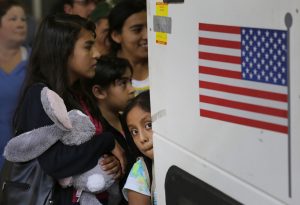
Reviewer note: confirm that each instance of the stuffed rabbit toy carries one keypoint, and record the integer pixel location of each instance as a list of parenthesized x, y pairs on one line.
[(72, 128)]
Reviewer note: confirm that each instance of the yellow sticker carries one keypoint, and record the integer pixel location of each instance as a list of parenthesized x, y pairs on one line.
[(161, 9), (161, 38)]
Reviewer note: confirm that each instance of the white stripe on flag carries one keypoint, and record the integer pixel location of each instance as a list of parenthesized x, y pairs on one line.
[(244, 83), (244, 99), (221, 65), (220, 50), (244, 114), (220, 36)]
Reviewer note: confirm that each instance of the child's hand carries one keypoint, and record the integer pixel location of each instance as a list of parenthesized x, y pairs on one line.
[(111, 165), (118, 152)]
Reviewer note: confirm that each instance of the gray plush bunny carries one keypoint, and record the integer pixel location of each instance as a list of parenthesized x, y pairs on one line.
[(72, 128)]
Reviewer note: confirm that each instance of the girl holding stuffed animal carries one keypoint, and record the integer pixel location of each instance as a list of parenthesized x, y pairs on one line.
[(140, 185), (62, 56), (112, 89)]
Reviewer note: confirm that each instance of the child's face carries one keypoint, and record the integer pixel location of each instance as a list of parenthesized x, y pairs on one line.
[(82, 62), (140, 126), (119, 93)]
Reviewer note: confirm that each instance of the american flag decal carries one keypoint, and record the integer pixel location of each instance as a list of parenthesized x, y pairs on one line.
[(243, 76)]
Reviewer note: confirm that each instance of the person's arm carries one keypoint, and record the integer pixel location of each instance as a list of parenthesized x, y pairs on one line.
[(60, 160), (135, 198), (111, 165)]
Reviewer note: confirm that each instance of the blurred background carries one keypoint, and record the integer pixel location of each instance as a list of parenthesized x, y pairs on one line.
[(37, 8)]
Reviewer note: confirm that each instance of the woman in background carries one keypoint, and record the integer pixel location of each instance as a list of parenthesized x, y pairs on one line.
[(128, 35), (13, 62)]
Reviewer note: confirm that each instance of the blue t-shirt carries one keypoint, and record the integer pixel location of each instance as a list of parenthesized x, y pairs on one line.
[(10, 87)]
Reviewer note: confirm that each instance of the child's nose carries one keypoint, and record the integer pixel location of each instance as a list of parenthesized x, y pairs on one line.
[(96, 53), (143, 137), (131, 89)]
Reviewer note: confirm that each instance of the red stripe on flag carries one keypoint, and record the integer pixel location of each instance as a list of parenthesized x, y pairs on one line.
[(219, 28), (220, 72), (244, 106), (220, 57), (220, 43), (244, 121), (244, 91)]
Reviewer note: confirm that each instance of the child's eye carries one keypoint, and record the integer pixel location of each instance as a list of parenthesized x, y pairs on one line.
[(148, 125), (123, 82), (88, 47), (133, 132)]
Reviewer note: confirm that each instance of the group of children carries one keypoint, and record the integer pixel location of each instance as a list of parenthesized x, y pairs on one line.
[(65, 59), (114, 93)]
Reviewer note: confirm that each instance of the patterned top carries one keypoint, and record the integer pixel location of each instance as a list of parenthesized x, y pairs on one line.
[(138, 180)]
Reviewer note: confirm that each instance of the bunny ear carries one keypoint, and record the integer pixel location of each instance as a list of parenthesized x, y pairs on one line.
[(55, 108), (32, 144)]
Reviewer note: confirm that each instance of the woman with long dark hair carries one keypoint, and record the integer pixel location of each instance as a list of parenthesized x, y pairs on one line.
[(63, 55)]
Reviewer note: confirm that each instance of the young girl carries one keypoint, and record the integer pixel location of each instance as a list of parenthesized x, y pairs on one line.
[(63, 54), (128, 36), (112, 89), (140, 187)]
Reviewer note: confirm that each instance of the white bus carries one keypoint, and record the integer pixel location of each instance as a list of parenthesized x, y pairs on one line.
[(225, 96)]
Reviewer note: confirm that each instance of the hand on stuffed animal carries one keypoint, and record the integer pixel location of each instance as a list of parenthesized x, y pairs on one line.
[(111, 165), (119, 153)]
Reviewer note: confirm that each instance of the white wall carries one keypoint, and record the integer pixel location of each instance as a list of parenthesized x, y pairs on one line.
[(247, 163)]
